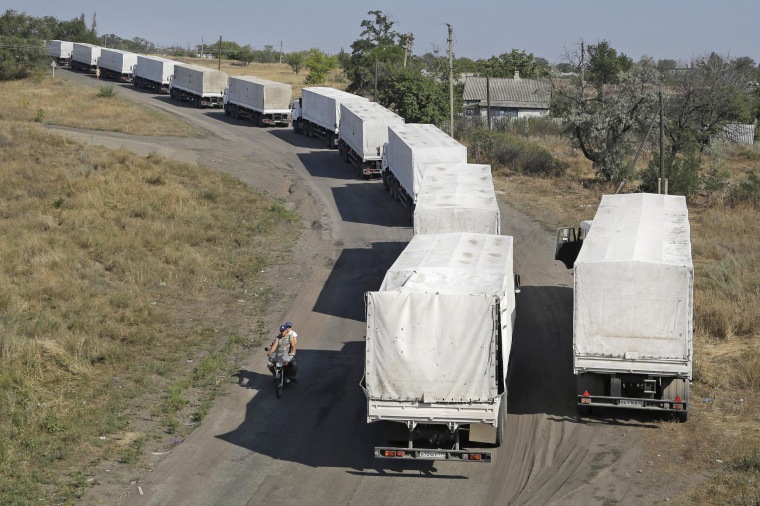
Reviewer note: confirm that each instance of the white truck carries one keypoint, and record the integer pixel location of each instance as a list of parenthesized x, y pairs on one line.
[(84, 57), (457, 197), (634, 306), (411, 148), (363, 134), (60, 50), (201, 86), (265, 102), (153, 72), (117, 64), (439, 335), (317, 112)]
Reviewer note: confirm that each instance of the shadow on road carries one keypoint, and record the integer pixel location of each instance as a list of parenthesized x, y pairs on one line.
[(301, 141), (319, 421), (542, 379), (356, 271)]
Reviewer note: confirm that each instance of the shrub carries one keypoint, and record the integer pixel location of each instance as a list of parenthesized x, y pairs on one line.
[(682, 172), (106, 91), (747, 190)]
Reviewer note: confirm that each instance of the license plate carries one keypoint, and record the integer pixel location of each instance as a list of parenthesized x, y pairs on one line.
[(431, 455), (625, 402)]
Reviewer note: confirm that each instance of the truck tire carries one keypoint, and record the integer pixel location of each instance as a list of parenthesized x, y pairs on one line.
[(330, 141), (198, 102), (384, 177), (411, 213)]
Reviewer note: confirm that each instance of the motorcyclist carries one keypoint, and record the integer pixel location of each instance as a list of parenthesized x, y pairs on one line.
[(283, 349)]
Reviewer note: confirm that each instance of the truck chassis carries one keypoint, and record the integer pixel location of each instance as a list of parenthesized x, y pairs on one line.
[(366, 169), (199, 101), (259, 119)]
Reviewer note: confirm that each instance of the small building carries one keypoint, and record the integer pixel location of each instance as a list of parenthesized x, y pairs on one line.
[(509, 98)]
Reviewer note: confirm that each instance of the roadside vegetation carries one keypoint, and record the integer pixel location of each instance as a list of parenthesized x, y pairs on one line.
[(130, 286), (58, 101)]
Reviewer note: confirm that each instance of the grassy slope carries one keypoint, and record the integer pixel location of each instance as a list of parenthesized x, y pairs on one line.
[(120, 279)]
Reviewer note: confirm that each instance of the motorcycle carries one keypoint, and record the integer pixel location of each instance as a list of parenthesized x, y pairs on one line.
[(280, 376)]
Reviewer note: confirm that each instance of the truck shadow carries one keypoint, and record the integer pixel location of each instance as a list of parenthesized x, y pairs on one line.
[(319, 421), (542, 379), (326, 163), (356, 271), (367, 202), (301, 141)]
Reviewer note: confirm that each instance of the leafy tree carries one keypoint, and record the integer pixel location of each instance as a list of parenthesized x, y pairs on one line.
[(712, 92), (506, 64), (295, 61), (378, 47), (319, 64), (605, 66), (245, 55), (418, 99), (602, 118)]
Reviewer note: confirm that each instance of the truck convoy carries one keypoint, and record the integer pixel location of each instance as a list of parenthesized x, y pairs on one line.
[(153, 72), (201, 86), (363, 134), (412, 147), (317, 112), (265, 102), (60, 50), (457, 197), (84, 57), (439, 335), (117, 64), (633, 305)]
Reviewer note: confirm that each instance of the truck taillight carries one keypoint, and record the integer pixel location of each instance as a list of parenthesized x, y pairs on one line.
[(394, 453), (678, 403), (586, 399), (475, 456)]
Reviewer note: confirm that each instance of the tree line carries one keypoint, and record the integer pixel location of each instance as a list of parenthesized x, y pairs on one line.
[(605, 102)]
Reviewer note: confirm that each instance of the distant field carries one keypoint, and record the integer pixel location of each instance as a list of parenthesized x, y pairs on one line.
[(273, 71)]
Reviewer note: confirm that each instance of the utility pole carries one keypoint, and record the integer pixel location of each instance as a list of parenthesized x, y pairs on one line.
[(408, 46), (451, 82), (203, 50), (219, 66), (488, 100), (280, 52), (375, 80), (663, 186)]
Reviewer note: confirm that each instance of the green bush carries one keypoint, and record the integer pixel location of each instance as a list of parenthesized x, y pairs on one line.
[(106, 91), (747, 190), (501, 148), (682, 172)]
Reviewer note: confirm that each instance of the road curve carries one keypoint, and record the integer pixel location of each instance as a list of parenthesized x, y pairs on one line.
[(314, 446)]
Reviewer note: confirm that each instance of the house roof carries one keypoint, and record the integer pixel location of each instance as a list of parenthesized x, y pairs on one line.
[(516, 93)]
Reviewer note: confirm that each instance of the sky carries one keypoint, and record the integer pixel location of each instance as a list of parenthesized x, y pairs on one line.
[(664, 29)]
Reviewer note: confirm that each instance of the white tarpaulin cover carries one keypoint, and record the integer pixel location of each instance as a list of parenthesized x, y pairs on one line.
[(321, 105), (85, 53), (633, 283), (364, 127), (413, 146), (457, 198), (155, 68), (262, 95), (433, 328), (117, 60)]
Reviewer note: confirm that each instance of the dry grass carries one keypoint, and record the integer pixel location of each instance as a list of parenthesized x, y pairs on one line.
[(721, 440), (118, 274), (60, 102)]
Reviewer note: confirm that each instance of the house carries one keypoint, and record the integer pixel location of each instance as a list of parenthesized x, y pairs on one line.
[(509, 98)]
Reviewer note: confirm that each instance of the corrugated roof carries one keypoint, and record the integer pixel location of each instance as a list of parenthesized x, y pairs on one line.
[(519, 93)]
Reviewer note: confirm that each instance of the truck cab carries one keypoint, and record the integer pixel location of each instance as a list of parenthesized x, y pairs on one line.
[(296, 117), (569, 242)]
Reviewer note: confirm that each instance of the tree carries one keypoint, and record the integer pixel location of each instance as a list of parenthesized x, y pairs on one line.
[(245, 55), (295, 61), (506, 64), (603, 117), (319, 64), (418, 99), (712, 92), (605, 66), (378, 47)]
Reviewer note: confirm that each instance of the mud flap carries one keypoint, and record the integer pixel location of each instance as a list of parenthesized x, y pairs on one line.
[(482, 433)]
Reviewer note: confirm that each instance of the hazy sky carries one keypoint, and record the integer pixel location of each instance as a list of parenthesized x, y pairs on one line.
[(676, 29)]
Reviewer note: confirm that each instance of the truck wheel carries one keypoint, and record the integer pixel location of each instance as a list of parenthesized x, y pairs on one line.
[(384, 177), (198, 102), (360, 173), (395, 190), (411, 213), (330, 141)]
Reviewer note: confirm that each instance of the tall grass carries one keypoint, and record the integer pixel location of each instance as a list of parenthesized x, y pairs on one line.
[(115, 269)]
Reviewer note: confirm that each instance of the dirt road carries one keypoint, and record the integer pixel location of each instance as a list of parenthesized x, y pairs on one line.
[(314, 446)]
